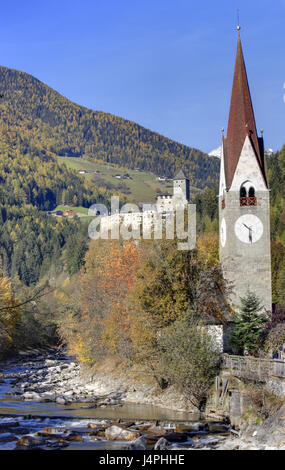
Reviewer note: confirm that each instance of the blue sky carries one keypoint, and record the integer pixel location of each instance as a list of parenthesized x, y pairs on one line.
[(166, 64)]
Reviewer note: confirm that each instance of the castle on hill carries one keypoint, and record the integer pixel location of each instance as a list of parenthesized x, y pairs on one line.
[(148, 213)]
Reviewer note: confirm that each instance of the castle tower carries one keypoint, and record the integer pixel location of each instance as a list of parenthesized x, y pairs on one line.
[(181, 187), (244, 207)]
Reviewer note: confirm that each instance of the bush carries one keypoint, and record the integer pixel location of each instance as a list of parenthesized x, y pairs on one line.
[(189, 358), (275, 338), (263, 403)]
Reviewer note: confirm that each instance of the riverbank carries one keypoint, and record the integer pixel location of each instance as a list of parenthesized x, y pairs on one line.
[(45, 403), (47, 400), (52, 376)]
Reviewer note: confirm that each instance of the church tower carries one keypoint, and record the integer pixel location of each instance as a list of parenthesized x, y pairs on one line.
[(244, 207)]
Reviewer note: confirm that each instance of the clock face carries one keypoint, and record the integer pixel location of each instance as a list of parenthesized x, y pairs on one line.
[(223, 233), (249, 228)]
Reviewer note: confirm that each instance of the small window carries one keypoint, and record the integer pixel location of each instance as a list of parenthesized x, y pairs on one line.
[(247, 195), (251, 192)]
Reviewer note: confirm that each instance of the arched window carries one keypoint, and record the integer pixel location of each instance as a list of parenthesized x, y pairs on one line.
[(252, 201), (251, 192), (243, 192), (247, 194), (243, 196)]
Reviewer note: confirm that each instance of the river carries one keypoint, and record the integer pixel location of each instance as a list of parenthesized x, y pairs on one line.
[(43, 405)]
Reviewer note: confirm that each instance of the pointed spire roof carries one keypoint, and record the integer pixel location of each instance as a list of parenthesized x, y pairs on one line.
[(241, 121), (180, 176)]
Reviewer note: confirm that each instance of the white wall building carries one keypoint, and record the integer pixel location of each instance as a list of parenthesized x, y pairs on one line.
[(165, 204)]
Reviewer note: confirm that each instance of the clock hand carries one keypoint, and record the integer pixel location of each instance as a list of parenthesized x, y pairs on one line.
[(250, 234), (246, 226)]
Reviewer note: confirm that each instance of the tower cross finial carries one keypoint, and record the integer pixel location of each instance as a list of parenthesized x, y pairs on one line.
[(238, 24)]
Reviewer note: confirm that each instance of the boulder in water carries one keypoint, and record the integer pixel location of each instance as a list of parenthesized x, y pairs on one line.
[(177, 437), (27, 442), (31, 396), (117, 433), (137, 444), (162, 444), (218, 427), (62, 401), (157, 430)]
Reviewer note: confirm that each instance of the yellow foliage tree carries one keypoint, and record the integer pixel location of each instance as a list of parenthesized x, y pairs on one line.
[(99, 320), (8, 313)]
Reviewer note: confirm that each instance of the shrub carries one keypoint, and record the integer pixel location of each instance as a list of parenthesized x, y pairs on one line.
[(275, 338), (189, 358)]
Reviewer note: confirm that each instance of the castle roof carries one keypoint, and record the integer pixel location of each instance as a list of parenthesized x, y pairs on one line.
[(180, 176), (241, 122)]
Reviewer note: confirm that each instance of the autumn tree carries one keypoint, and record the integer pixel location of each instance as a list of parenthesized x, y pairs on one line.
[(100, 321), (8, 314), (169, 280), (168, 283)]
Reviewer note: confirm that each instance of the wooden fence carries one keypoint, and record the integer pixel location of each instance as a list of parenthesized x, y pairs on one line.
[(253, 368)]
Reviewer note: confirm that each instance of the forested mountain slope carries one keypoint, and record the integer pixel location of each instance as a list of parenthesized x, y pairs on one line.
[(40, 121), (36, 125)]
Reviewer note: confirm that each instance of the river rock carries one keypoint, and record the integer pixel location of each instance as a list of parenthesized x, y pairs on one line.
[(151, 439), (24, 385), (209, 441), (29, 442), (218, 427), (31, 396), (190, 427), (50, 432), (124, 424), (137, 444), (157, 430), (75, 437), (162, 444), (62, 401), (177, 437), (50, 362), (93, 426), (48, 396), (117, 433), (58, 444)]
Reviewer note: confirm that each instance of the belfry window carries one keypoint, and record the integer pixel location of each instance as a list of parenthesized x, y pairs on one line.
[(252, 201), (247, 195), (251, 192)]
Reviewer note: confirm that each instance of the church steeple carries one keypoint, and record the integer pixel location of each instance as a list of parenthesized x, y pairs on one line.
[(241, 122), (244, 199)]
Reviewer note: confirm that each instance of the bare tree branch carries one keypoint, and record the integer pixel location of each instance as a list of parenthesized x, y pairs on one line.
[(38, 295)]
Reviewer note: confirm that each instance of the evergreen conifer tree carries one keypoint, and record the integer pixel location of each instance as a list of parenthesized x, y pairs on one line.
[(248, 324)]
